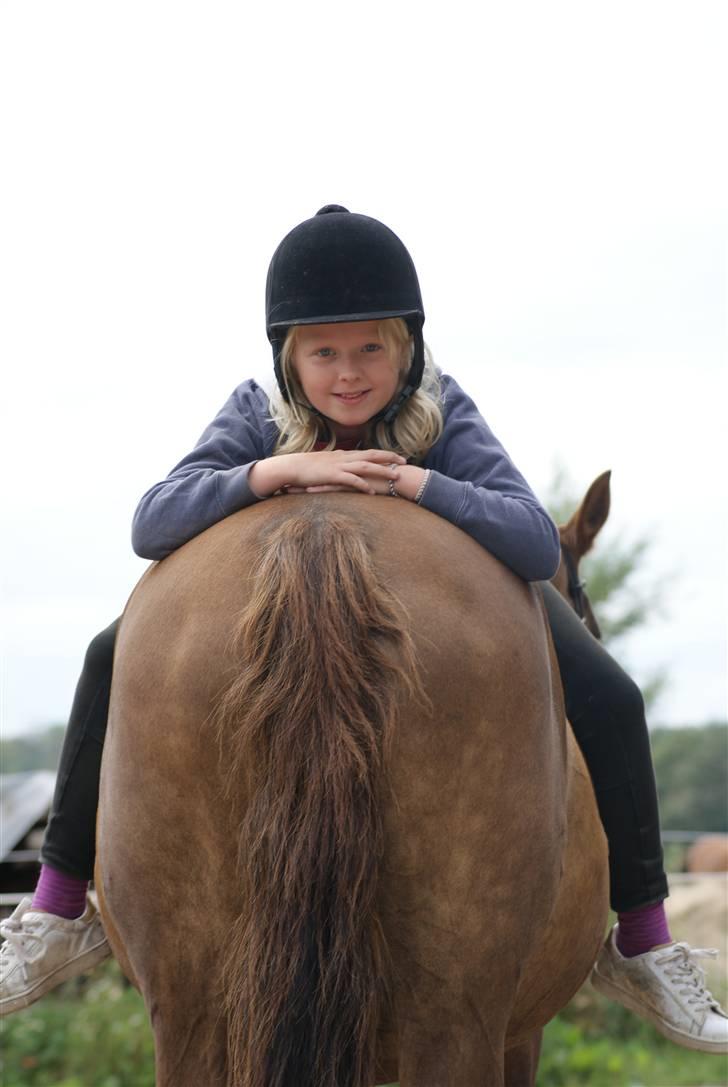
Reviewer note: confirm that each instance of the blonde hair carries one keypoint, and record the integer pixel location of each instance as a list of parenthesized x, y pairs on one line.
[(415, 428)]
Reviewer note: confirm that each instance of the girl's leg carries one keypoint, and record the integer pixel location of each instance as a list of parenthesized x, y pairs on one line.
[(606, 712), (639, 966), (69, 845), (59, 934)]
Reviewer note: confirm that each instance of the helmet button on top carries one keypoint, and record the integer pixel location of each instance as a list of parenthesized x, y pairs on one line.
[(327, 209)]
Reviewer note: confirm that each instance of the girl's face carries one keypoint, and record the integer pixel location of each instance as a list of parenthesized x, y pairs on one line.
[(346, 372)]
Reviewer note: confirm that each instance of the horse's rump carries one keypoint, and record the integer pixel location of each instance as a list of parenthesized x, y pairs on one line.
[(435, 829)]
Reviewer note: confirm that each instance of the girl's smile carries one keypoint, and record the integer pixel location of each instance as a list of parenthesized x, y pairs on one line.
[(346, 373)]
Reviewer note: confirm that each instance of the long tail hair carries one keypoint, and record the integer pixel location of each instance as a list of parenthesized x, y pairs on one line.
[(324, 658)]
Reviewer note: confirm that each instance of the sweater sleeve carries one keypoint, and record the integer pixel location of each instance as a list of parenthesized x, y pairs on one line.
[(474, 484), (209, 483)]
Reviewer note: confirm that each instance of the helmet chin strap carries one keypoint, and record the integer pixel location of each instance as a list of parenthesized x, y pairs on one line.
[(389, 414), (412, 382)]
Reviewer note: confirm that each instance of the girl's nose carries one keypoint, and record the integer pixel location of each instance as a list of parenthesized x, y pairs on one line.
[(348, 367)]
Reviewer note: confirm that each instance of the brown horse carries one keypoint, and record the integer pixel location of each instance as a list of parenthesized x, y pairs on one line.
[(345, 835)]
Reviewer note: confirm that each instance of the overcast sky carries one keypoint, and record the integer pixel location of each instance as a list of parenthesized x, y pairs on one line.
[(558, 172)]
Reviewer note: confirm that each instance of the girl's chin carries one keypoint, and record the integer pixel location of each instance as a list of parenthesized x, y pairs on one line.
[(351, 414), (351, 420)]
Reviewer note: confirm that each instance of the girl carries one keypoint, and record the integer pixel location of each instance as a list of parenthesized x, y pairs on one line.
[(359, 406)]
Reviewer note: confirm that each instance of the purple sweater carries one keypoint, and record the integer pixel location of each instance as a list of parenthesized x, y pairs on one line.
[(472, 483)]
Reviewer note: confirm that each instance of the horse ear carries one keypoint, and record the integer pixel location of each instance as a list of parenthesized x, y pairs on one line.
[(587, 522)]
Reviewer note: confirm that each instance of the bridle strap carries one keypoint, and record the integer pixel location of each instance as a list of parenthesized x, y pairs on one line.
[(575, 584)]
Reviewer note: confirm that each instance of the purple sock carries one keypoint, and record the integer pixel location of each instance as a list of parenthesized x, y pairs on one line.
[(642, 929), (57, 893)]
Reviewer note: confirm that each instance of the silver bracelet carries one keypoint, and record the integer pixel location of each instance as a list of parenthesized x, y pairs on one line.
[(423, 484), (394, 494)]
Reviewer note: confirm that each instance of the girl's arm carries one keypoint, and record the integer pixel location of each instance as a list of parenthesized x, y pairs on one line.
[(475, 485), (231, 467), (211, 482)]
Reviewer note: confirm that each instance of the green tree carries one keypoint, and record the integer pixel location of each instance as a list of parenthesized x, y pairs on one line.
[(691, 767), (36, 751)]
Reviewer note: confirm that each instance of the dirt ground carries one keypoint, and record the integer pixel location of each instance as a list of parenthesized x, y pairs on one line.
[(698, 913)]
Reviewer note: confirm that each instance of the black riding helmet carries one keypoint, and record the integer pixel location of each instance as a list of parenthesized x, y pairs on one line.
[(336, 267)]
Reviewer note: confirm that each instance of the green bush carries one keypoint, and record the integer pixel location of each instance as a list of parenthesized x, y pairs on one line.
[(600, 1044), (92, 1032)]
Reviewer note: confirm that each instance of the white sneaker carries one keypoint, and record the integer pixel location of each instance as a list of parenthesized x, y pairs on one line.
[(667, 987), (42, 950)]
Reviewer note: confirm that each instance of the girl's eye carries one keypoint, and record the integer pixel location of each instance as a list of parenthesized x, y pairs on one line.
[(372, 347), (325, 352)]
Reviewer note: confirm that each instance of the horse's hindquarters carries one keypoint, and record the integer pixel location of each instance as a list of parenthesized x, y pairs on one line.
[(474, 819), (570, 941), (477, 828), (166, 859)]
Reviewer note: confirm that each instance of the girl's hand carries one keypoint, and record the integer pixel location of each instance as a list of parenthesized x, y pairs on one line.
[(406, 478), (366, 470)]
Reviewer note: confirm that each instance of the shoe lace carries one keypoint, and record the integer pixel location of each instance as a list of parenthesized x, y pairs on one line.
[(683, 970), (21, 941)]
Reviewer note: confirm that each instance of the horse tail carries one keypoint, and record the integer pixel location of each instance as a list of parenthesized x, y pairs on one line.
[(324, 656)]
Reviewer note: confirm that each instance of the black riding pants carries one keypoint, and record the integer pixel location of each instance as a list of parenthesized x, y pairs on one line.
[(603, 704)]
